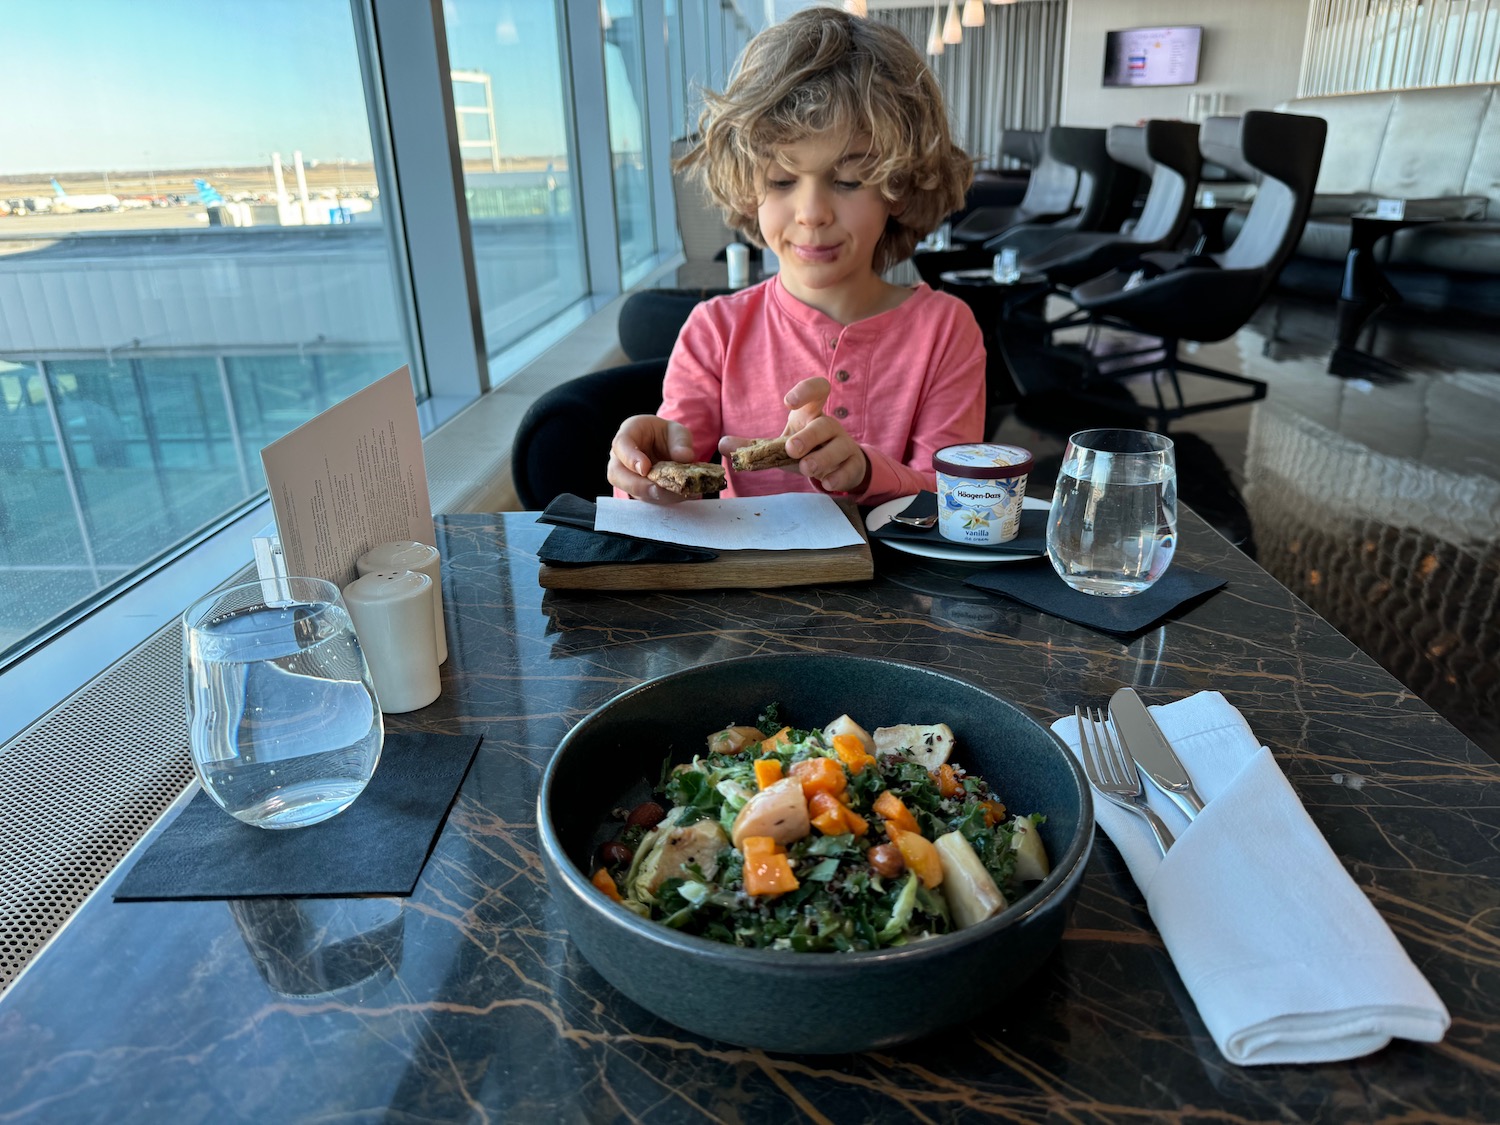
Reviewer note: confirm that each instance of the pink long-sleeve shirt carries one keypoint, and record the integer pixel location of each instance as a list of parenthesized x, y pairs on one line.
[(904, 383)]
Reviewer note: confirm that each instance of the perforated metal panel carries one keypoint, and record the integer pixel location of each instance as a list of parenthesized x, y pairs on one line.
[(82, 786)]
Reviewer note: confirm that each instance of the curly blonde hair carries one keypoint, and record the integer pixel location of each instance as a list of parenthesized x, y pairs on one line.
[(824, 71)]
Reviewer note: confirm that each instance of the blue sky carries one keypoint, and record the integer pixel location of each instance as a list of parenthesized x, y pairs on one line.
[(132, 84)]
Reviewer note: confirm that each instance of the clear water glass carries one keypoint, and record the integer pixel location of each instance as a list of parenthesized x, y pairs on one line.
[(1112, 529), (1006, 268), (282, 718)]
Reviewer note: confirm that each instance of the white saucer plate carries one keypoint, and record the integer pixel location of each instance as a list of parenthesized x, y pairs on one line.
[(952, 552)]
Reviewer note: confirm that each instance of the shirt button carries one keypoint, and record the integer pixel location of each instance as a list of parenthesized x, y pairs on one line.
[(841, 412), (842, 376)]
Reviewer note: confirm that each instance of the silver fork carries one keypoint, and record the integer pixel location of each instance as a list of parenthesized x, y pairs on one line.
[(1113, 774)]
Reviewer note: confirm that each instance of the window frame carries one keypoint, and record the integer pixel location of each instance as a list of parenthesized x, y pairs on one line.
[(402, 45)]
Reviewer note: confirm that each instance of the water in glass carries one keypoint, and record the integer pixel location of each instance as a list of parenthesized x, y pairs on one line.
[(283, 723), (1006, 268), (1112, 529)]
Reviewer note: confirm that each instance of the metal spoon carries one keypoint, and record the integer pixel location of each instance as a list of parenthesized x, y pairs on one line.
[(916, 521)]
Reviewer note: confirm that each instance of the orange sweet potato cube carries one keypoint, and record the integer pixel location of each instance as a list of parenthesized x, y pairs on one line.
[(895, 812), (821, 775)]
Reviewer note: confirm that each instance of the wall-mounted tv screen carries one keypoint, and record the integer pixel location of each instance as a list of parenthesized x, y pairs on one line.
[(1152, 56)]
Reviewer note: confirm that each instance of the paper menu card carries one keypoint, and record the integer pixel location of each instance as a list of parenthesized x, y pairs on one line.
[(350, 478), (790, 521)]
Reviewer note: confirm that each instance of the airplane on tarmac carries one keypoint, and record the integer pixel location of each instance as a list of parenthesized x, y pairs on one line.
[(100, 202), (208, 195)]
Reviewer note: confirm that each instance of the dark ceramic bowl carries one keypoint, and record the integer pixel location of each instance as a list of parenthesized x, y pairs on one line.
[(807, 1003)]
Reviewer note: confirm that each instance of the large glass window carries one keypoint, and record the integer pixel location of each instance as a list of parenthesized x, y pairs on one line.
[(625, 90), (192, 262), (514, 114)]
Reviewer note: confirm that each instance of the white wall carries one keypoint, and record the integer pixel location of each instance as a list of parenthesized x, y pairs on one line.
[(1252, 52)]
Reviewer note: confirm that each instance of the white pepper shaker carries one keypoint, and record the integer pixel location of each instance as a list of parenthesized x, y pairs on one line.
[(737, 255), (392, 613), (421, 557)]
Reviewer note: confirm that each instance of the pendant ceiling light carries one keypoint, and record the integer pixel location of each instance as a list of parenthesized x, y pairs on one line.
[(855, 7), (973, 13), (953, 31), (935, 36)]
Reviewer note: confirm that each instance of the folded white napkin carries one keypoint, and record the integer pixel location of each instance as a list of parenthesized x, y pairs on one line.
[(1283, 954)]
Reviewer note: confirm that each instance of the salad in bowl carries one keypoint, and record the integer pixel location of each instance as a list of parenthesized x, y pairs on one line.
[(830, 839)]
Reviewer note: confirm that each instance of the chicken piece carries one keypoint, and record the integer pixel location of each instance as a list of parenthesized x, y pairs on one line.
[(778, 811), (698, 843), (731, 740), (970, 889), (845, 725), (1032, 864), (928, 746)]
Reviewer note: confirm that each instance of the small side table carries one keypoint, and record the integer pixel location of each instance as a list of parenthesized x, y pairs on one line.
[(1365, 289), (990, 301), (1365, 292)]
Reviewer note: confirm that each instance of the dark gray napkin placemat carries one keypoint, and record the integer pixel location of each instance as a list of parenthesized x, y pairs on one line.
[(1036, 584), (567, 510), (377, 846), (1031, 539), (567, 546), (574, 542)]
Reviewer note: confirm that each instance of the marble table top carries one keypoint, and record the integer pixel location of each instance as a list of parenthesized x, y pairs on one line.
[(467, 1001)]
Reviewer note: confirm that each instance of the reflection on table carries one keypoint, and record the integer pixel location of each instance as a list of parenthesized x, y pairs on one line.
[(157, 1011)]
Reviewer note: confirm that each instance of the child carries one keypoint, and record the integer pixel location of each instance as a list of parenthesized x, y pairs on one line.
[(831, 148)]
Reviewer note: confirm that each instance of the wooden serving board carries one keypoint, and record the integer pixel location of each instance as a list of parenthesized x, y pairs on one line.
[(731, 570)]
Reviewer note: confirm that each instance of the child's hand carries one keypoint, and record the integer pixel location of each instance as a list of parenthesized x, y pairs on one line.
[(827, 453), (641, 442)]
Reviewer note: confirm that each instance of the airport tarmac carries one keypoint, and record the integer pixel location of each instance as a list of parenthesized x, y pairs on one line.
[(323, 179), (346, 178)]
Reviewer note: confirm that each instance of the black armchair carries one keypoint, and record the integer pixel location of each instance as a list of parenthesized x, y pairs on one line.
[(1003, 186), (1051, 193), (1209, 297), (563, 441), (1106, 194), (1167, 151), (1075, 187), (1024, 146), (650, 319)]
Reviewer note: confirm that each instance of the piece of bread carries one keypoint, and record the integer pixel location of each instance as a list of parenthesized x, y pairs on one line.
[(688, 479), (768, 453)]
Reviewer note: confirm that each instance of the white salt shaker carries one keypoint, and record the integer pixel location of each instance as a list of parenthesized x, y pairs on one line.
[(424, 559), (392, 613), (737, 254)]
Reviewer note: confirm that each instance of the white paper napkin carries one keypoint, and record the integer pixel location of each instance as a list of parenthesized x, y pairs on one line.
[(788, 521), (1283, 954)]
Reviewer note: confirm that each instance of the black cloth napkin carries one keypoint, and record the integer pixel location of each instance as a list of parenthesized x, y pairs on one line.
[(1031, 539), (377, 846), (574, 542), (1036, 584)]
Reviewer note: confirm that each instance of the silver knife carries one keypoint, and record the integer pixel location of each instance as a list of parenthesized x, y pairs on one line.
[(1152, 752)]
